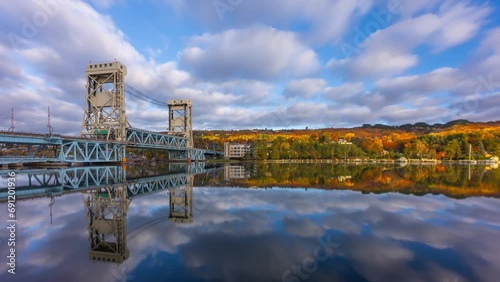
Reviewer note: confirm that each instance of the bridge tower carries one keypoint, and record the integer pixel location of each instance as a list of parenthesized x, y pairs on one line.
[(106, 210), (179, 121), (104, 116), (181, 203)]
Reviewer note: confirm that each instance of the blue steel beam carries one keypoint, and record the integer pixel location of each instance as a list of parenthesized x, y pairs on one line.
[(72, 150), (196, 154), (20, 138), (85, 151), (92, 177), (150, 185), (146, 139), (66, 150)]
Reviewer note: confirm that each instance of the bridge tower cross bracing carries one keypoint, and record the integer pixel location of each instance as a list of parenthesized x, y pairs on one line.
[(179, 121), (104, 116)]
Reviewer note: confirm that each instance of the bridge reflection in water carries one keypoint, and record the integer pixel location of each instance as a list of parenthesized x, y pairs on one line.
[(107, 194)]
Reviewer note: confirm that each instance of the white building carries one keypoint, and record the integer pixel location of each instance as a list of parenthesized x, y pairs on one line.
[(236, 150)]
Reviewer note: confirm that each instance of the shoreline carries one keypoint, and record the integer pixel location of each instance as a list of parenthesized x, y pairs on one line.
[(383, 161)]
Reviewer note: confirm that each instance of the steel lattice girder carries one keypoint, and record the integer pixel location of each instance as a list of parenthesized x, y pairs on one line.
[(150, 185), (92, 177), (80, 151), (145, 139), (195, 168), (197, 155), (43, 151)]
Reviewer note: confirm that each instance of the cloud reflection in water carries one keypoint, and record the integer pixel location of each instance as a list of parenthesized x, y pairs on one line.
[(256, 234)]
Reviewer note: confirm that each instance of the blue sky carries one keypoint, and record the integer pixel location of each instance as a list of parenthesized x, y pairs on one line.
[(255, 64)]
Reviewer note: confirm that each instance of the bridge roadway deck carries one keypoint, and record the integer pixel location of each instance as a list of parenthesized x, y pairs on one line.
[(70, 149)]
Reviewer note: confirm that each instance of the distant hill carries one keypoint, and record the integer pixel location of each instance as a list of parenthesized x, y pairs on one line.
[(416, 127)]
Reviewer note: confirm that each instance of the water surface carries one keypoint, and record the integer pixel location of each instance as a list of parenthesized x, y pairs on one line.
[(261, 222)]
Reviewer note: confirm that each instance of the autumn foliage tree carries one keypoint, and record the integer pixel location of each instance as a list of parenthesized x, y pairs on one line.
[(449, 141), (373, 146)]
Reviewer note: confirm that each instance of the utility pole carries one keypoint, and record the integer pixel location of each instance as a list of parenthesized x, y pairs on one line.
[(11, 128), (48, 124)]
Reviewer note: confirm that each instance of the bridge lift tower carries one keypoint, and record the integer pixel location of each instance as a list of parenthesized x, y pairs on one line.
[(104, 117), (179, 121)]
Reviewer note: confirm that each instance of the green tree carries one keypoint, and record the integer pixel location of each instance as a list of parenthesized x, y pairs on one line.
[(275, 151), (453, 150), (260, 150)]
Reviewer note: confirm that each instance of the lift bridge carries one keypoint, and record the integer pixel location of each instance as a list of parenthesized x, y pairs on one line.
[(106, 133), (107, 194)]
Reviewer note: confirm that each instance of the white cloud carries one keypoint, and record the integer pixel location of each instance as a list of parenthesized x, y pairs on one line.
[(389, 51), (252, 53), (344, 91), (304, 87), (325, 20), (458, 22)]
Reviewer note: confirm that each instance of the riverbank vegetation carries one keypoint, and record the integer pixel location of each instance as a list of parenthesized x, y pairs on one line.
[(450, 141)]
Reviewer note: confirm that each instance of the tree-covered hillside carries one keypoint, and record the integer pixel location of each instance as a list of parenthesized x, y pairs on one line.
[(420, 140)]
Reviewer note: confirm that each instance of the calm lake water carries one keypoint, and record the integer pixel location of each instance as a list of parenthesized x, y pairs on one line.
[(255, 222)]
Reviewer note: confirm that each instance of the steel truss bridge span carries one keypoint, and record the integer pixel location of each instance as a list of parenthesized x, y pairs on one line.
[(64, 149)]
